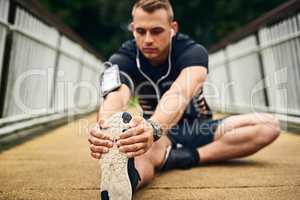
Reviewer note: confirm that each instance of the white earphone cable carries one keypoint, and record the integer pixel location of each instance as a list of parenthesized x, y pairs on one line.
[(155, 86)]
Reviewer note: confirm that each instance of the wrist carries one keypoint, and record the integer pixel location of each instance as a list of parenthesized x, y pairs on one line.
[(157, 131)]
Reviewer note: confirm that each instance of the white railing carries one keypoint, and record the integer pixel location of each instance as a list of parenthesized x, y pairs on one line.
[(4, 6), (48, 74), (260, 72)]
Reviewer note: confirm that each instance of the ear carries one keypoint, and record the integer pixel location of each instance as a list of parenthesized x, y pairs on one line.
[(174, 29), (132, 29), (172, 32)]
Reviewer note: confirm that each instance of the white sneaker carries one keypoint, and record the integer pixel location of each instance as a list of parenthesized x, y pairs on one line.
[(116, 169)]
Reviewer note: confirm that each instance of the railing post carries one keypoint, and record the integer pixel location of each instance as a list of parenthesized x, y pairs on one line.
[(262, 72), (6, 57), (57, 57)]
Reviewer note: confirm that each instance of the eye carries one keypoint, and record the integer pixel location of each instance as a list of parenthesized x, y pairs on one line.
[(156, 31), (141, 31)]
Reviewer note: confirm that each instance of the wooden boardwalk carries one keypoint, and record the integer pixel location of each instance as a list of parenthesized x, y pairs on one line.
[(57, 165)]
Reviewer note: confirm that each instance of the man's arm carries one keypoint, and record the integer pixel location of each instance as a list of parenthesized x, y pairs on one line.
[(174, 102), (115, 101), (137, 140)]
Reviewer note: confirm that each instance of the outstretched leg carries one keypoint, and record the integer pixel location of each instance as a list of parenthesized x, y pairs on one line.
[(152, 159), (239, 136)]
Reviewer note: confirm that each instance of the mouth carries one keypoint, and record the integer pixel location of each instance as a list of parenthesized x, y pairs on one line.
[(149, 50)]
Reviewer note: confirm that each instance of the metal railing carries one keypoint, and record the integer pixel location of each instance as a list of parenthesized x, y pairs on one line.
[(46, 71), (4, 6), (257, 68)]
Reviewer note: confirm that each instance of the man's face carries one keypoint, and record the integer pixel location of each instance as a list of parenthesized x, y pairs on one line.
[(152, 33)]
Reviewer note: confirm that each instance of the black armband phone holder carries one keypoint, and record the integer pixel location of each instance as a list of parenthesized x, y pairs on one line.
[(110, 79)]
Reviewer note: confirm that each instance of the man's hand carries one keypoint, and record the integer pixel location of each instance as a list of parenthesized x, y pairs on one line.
[(138, 139), (100, 142)]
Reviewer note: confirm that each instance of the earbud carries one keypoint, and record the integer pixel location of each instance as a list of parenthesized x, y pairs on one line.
[(134, 34)]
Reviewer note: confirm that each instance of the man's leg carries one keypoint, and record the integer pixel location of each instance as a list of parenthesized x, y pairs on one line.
[(239, 136), (148, 162), (236, 137)]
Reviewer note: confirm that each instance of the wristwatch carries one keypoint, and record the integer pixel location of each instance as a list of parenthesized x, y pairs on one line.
[(157, 132)]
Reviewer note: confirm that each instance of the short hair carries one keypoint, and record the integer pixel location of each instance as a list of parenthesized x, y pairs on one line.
[(152, 5)]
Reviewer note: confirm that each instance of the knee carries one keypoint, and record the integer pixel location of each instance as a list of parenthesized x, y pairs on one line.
[(268, 131), (266, 118)]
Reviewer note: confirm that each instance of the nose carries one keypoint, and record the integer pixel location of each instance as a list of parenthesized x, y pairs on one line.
[(148, 38)]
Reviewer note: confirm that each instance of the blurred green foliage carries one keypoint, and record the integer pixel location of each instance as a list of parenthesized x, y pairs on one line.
[(134, 102), (103, 23)]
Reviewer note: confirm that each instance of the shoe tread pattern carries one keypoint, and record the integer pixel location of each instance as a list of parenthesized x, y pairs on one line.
[(114, 172)]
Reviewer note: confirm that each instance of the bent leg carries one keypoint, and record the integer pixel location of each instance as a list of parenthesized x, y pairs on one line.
[(239, 136)]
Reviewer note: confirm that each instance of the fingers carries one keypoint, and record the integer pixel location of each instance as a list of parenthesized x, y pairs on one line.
[(100, 142), (96, 132), (133, 148), (96, 155), (103, 123), (98, 149), (133, 140), (132, 132)]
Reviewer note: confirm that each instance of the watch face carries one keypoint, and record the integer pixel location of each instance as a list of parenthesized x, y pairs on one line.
[(158, 136), (157, 133), (156, 130), (155, 137)]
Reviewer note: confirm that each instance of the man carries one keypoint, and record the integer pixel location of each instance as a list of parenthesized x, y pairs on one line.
[(167, 71)]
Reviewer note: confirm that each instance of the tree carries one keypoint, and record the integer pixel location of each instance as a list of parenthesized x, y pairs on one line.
[(104, 23)]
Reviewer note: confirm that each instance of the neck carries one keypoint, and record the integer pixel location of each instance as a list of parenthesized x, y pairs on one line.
[(160, 60)]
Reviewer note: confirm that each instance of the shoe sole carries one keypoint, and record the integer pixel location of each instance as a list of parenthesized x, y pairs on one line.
[(115, 182)]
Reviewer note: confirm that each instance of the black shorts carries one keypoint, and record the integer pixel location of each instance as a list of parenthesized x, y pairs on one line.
[(193, 133)]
